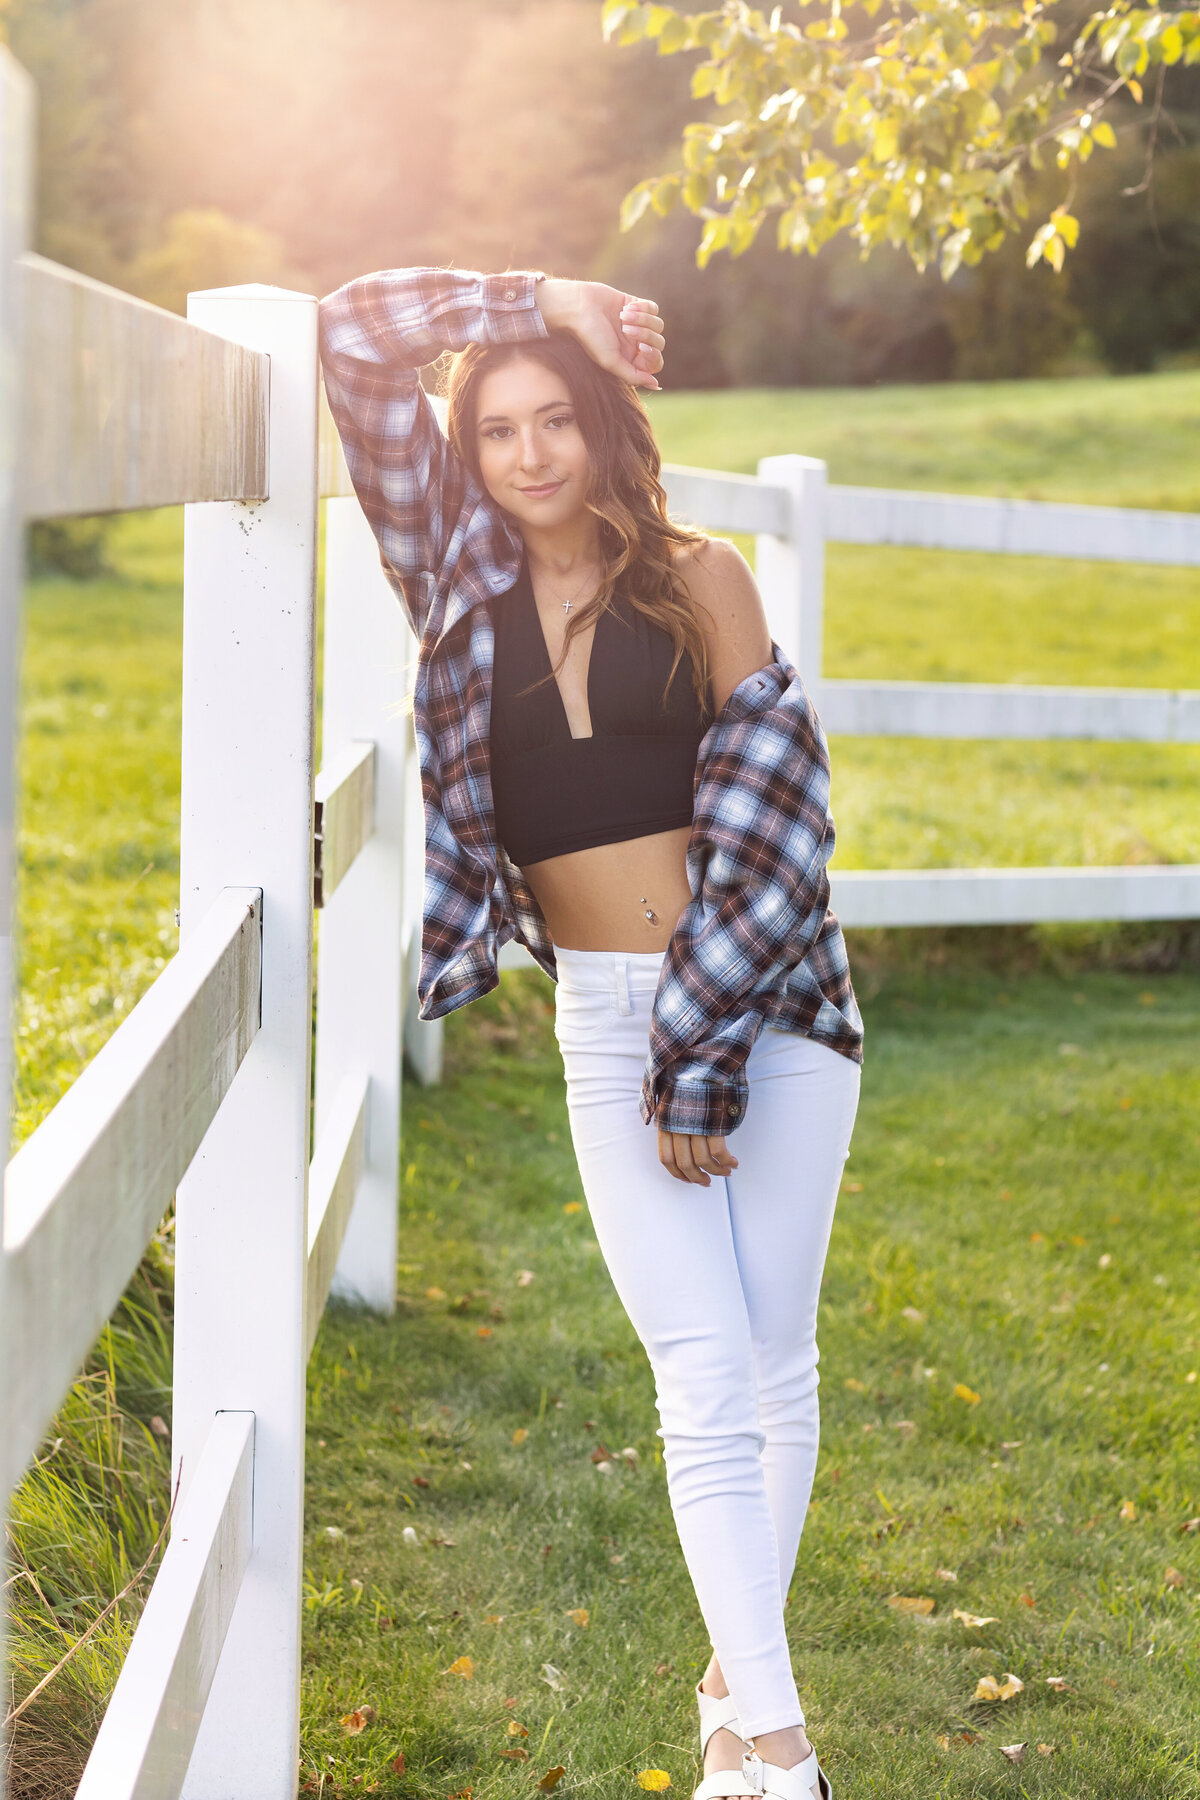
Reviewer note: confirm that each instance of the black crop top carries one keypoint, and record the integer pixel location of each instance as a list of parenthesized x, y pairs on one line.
[(635, 774)]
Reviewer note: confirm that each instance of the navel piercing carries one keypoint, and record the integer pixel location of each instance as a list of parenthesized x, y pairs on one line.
[(650, 912)]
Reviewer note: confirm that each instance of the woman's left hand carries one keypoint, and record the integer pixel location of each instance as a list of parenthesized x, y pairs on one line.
[(692, 1157)]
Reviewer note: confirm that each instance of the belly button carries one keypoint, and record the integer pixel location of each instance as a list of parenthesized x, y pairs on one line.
[(650, 912)]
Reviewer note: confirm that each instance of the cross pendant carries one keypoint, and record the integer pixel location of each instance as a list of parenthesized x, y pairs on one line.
[(567, 605)]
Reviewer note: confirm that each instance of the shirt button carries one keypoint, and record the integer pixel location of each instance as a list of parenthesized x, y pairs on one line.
[(510, 293), (734, 1111)]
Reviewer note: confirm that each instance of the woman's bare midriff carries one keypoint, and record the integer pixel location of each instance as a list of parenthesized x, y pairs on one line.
[(597, 899)]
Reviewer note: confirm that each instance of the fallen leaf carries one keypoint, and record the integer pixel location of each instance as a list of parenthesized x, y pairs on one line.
[(973, 1619), (358, 1720), (1173, 1578), (1190, 1525), (443, 1543), (435, 1293), (1014, 1752), (519, 1435), (962, 1740), (462, 1665), (524, 1277), (552, 1777), (493, 1618), (946, 1574), (578, 1613), (484, 1331), (629, 1456), (852, 1187), (463, 1793), (1105, 1261), (855, 1385), (913, 1314), (553, 1677), (418, 1481), (514, 1728), (653, 1780), (1027, 1599), (911, 1603), (1059, 1683), (520, 1754), (573, 1206), (963, 1392), (1128, 1510), (601, 1453), (986, 1688), (1010, 1685), (409, 1535), (397, 1763), (904, 1425), (1047, 1749)]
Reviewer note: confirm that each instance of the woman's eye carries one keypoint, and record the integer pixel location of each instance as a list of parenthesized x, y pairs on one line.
[(496, 431), (562, 419)]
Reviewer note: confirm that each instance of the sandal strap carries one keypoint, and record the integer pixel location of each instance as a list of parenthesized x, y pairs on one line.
[(792, 1784), (781, 1783), (723, 1782), (715, 1715)]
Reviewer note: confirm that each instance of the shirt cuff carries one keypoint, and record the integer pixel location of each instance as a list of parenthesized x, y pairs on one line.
[(510, 309), (697, 1108)]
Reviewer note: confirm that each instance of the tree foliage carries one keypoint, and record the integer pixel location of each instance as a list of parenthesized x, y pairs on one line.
[(922, 124)]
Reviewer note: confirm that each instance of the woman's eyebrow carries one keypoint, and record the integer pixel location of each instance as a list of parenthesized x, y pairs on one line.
[(502, 418)]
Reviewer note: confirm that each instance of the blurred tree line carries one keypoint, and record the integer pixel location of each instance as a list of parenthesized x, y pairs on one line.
[(193, 143)]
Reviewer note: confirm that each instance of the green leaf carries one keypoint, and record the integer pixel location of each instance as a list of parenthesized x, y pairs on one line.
[(1104, 134), (635, 203)]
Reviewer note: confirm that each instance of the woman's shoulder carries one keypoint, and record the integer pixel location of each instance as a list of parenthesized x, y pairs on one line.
[(721, 585)]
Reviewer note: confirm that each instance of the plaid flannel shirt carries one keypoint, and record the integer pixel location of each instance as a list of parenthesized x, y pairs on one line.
[(758, 944)]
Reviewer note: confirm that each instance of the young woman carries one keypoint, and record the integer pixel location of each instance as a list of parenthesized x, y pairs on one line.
[(621, 769)]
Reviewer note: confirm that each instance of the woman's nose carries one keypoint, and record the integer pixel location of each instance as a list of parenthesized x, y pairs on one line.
[(531, 451)]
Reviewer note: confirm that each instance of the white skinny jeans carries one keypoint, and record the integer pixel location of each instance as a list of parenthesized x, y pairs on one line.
[(721, 1285)]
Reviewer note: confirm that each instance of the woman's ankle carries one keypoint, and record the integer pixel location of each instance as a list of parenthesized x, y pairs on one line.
[(785, 1748)]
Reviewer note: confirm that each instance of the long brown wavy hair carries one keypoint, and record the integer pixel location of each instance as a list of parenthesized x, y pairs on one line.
[(625, 493)]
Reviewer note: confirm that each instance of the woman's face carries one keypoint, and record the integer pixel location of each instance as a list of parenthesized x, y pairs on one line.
[(532, 456)]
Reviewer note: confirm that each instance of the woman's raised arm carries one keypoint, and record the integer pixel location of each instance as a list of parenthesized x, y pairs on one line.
[(376, 333)]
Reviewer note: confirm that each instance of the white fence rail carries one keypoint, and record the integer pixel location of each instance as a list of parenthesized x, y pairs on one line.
[(203, 1091)]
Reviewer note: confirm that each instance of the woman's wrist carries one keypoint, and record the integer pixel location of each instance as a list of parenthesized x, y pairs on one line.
[(558, 302)]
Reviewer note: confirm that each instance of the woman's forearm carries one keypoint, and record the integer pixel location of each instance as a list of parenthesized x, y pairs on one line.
[(405, 318)]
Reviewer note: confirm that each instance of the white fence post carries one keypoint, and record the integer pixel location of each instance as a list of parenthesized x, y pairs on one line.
[(791, 571), (360, 976), (16, 174), (241, 1220)]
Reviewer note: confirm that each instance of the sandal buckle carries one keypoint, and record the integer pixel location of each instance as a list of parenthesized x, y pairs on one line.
[(752, 1771)]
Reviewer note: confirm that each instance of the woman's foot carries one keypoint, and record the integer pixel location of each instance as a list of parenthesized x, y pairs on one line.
[(725, 1749)]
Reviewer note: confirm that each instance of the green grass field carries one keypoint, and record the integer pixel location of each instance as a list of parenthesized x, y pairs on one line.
[(1095, 1143)]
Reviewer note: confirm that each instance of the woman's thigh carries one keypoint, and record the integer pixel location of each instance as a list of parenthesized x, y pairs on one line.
[(667, 1244), (791, 1149)]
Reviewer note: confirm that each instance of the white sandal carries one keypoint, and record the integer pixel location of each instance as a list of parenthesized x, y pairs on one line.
[(755, 1777)]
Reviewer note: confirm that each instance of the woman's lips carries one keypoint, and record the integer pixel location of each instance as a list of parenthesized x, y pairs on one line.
[(543, 492)]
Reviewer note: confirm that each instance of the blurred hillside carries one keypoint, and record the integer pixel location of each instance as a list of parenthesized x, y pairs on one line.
[(188, 143)]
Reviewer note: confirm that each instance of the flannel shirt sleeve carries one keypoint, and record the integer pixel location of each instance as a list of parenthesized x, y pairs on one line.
[(761, 838), (376, 333)]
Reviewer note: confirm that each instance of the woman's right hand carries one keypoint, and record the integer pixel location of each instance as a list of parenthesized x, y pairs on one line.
[(621, 332)]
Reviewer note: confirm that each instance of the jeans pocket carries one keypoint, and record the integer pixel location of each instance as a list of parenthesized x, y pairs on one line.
[(581, 1013)]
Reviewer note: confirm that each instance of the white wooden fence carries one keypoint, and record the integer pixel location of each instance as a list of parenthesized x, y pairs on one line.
[(202, 1093)]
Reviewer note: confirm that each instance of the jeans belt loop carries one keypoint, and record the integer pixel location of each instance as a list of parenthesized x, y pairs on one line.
[(624, 999)]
